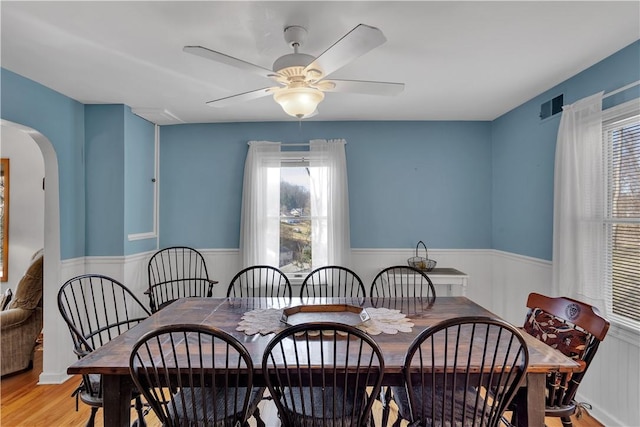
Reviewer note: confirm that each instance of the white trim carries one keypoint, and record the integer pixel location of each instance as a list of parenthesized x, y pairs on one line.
[(142, 236), (623, 328), (404, 250), (627, 108), (156, 190), (48, 378), (624, 333), (156, 167), (219, 251), (522, 258), (72, 262), (52, 350)]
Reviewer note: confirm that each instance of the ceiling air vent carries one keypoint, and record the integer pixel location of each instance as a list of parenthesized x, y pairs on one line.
[(157, 116), (551, 107)]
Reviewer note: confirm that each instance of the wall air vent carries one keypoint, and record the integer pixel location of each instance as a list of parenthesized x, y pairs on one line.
[(551, 107)]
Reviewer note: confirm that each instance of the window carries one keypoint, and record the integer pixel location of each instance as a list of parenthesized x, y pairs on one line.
[(621, 136), (295, 216), (295, 210)]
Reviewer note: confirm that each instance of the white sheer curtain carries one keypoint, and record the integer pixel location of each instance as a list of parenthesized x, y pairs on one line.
[(579, 204), (330, 236), (260, 222)]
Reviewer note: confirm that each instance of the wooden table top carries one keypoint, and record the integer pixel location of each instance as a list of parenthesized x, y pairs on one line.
[(226, 313)]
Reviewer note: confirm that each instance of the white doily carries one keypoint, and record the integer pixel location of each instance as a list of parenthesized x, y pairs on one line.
[(382, 321), (386, 321)]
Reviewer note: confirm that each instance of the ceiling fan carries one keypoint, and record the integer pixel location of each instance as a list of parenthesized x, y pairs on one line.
[(303, 78)]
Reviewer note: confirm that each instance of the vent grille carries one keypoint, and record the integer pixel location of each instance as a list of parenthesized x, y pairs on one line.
[(551, 107)]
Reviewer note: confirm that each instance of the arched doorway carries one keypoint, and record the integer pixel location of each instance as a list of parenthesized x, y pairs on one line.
[(55, 356)]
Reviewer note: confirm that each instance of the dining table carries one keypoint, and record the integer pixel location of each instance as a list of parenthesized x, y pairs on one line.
[(230, 315)]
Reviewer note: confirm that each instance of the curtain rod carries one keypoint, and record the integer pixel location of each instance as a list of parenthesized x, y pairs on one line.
[(298, 144), (622, 89)]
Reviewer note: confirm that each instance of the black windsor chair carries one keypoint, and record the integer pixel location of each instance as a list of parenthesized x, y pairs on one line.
[(462, 372), (404, 282), (260, 281), (177, 272), (332, 281), (323, 374), (97, 309), (195, 375)]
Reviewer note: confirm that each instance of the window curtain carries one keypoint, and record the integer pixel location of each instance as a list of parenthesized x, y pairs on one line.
[(260, 222), (330, 235), (579, 238)]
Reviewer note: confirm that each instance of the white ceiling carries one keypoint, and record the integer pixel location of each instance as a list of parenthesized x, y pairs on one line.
[(459, 60)]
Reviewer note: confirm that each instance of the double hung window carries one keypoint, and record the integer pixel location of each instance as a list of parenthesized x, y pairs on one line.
[(596, 251), (295, 213), (621, 140)]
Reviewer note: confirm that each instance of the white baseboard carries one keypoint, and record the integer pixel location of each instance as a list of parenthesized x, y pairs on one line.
[(53, 378)]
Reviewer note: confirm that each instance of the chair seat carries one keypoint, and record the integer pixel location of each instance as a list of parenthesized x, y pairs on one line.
[(90, 393), (188, 396), (321, 407), (402, 400)]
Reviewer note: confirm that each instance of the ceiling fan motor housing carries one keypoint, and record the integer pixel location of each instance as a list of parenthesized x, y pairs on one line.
[(292, 60), (295, 35), (293, 64)]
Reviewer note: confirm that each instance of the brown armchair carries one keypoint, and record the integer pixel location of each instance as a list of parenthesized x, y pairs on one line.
[(21, 322)]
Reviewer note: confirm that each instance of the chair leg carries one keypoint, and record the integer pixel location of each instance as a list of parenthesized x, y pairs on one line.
[(256, 415), (385, 398), (566, 422), (139, 410), (92, 418)]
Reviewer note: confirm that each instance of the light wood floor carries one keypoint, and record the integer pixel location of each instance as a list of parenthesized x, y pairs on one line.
[(26, 404)]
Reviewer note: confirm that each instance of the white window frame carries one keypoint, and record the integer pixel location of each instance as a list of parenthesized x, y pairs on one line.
[(297, 159), (614, 115)]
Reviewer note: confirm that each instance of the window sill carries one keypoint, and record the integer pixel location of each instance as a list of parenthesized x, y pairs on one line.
[(625, 333)]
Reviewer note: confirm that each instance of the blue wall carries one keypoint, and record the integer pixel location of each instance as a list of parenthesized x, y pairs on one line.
[(451, 184), (105, 179), (523, 153), (407, 181), (61, 120), (119, 168)]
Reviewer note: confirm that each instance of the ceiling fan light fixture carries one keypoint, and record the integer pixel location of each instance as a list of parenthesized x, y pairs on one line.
[(300, 101)]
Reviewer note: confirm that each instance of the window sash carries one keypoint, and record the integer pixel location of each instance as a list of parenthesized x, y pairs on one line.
[(622, 215), (300, 160)]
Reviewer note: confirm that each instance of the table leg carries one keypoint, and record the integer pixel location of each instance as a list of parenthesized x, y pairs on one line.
[(116, 400), (532, 414)]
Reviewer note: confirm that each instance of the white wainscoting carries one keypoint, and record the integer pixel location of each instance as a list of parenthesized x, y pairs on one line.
[(499, 281)]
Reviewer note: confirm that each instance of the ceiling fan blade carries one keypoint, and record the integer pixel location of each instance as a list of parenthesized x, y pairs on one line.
[(355, 43), (229, 60), (365, 87), (241, 97)]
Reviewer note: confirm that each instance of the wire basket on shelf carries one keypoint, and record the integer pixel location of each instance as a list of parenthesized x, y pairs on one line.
[(419, 262)]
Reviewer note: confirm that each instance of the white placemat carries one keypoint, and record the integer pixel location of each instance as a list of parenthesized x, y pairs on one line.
[(382, 321)]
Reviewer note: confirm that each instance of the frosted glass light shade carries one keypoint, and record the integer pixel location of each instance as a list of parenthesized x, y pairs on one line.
[(299, 102)]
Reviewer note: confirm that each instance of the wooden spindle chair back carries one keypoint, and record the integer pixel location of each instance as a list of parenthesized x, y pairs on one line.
[(259, 281), (177, 272), (323, 374)]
